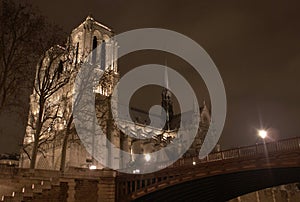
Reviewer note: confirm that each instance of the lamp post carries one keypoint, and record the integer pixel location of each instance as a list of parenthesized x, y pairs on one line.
[(263, 135)]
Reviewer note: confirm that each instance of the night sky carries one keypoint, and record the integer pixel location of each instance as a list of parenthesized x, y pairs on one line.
[(254, 44)]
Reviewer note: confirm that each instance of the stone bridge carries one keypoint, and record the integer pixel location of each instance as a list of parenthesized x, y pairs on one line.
[(220, 176)]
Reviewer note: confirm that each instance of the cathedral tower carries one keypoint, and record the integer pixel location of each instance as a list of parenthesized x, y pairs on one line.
[(91, 42)]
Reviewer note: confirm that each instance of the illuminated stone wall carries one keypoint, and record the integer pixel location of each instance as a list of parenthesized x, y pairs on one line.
[(284, 193)]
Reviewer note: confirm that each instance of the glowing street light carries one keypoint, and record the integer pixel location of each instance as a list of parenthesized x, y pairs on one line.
[(262, 133), (92, 167), (147, 157), (136, 171)]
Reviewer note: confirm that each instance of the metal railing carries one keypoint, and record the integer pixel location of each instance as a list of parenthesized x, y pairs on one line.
[(131, 184), (247, 151)]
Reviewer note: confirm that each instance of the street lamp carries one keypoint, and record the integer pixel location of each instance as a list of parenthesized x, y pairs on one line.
[(263, 134), (147, 157), (92, 167), (136, 171)]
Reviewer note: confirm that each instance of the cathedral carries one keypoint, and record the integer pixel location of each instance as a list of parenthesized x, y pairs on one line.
[(53, 121)]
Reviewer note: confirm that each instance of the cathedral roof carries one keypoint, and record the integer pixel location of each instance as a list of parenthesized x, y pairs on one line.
[(136, 124), (90, 20)]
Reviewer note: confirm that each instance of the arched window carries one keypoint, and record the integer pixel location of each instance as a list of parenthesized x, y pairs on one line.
[(60, 68), (103, 55), (95, 43), (76, 54)]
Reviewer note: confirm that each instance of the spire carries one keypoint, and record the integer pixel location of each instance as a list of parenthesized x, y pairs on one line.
[(205, 114), (166, 77), (166, 99), (89, 17)]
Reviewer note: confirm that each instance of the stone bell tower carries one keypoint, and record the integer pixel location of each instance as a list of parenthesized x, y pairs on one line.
[(89, 43), (93, 42), (94, 45)]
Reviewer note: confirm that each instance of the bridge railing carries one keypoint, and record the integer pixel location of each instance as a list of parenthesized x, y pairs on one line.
[(247, 151), (129, 184)]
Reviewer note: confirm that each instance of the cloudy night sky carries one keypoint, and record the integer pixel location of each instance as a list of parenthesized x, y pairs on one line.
[(254, 44)]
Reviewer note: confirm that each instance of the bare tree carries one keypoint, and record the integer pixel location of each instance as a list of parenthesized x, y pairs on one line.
[(52, 75), (24, 36), (102, 107)]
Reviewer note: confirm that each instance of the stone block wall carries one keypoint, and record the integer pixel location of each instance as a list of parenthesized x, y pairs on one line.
[(86, 190), (284, 193), (75, 185)]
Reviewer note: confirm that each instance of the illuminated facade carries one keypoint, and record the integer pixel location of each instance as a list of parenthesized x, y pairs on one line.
[(82, 41)]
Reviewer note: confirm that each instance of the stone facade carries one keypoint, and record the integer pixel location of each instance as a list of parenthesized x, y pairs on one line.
[(75, 185), (81, 46), (284, 193)]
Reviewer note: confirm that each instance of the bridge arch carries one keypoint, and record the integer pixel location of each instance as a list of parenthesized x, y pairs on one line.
[(225, 187), (226, 174)]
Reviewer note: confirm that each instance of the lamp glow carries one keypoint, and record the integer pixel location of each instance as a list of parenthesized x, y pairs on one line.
[(93, 167), (147, 157), (262, 134), (136, 171)]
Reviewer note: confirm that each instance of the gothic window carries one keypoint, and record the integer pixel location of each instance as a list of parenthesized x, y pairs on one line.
[(76, 54), (103, 55), (60, 68), (95, 43)]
